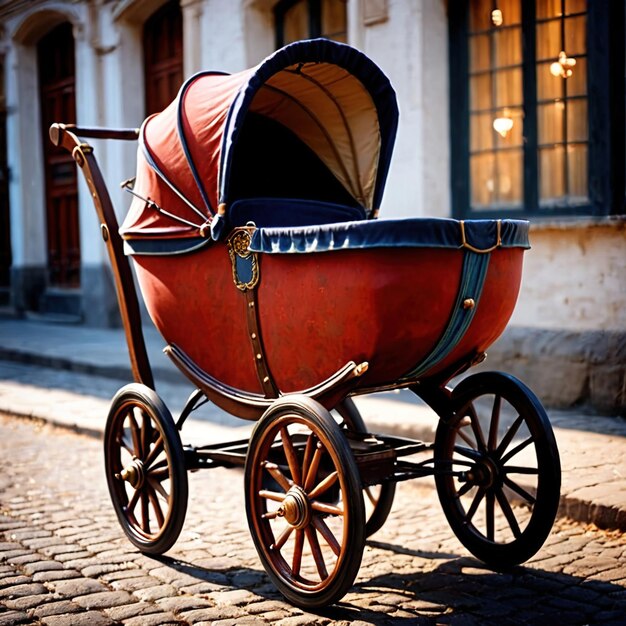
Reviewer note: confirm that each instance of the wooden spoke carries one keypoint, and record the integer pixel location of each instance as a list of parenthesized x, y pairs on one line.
[(277, 475), (134, 431), (161, 465), (145, 512), (315, 464), (464, 489), (495, 422), (154, 453), (297, 552), (514, 469), (508, 513), (270, 515), (156, 507), (322, 529), (308, 455), (506, 440), (326, 484), (318, 557), (475, 503), (157, 486), (517, 449), (282, 539), (271, 495), (519, 490), (322, 507), (127, 445), (490, 515), (477, 429), (290, 453), (370, 496), (146, 435), (466, 439), (159, 474), (132, 503)]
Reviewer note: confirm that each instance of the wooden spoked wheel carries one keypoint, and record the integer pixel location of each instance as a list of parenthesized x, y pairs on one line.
[(304, 502), (145, 469), (378, 498), (498, 472)]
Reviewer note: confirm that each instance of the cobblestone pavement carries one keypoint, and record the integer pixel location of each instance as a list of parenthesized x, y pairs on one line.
[(65, 561)]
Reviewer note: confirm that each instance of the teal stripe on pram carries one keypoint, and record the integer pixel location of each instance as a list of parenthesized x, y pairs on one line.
[(472, 281)]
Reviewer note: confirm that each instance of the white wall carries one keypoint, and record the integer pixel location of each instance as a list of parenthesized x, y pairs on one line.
[(574, 277)]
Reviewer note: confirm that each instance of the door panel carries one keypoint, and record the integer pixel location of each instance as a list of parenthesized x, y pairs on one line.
[(163, 56), (57, 84)]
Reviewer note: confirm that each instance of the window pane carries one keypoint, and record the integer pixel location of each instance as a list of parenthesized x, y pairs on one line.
[(575, 6), (548, 8), (549, 40), (481, 132), (551, 175), (482, 176), (480, 15), (508, 46), (480, 57), (577, 126), (334, 19), (577, 82), (480, 92), (296, 22), (515, 136), (550, 87), (550, 122), (575, 35), (577, 173), (508, 87), (511, 11), (510, 170)]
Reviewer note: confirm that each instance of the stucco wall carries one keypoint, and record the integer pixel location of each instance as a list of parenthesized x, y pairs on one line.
[(575, 277)]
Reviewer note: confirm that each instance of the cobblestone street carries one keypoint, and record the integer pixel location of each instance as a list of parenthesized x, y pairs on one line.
[(64, 559)]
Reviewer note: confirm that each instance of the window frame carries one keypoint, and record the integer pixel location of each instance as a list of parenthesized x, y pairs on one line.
[(605, 93), (315, 19)]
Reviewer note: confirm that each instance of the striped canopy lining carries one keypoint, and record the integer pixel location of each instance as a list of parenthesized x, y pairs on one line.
[(331, 112)]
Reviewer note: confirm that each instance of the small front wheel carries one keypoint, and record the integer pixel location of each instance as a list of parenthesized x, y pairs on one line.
[(145, 469), (304, 502), (498, 472)]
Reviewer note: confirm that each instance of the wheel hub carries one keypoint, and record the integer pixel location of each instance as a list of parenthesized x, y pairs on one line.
[(133, 473), (484, 474), (295, 508)]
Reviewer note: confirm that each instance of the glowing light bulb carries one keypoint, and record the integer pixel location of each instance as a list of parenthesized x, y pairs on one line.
[(502, 125)]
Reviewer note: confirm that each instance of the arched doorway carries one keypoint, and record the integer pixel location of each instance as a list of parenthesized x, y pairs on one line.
[(163, 56), (57, 87)]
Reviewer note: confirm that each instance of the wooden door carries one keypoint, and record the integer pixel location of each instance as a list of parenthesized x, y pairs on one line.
[(58, 104), (163, 56)]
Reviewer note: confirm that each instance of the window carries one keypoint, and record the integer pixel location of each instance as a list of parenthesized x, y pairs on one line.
[(535, 102), (306, 19)]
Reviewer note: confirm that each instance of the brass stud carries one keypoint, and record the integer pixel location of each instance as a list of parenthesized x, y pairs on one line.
[(251, 305), (259, 357), (266, 379), (469, 303), (253, 335), (105, 232)]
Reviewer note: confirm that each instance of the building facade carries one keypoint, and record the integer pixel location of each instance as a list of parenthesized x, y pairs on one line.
[(507, 108)]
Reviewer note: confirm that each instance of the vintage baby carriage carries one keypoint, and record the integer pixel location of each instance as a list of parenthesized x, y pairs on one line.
[(280, 296)]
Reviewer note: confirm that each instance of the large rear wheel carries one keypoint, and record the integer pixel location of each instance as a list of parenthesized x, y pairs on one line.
[(304, 502), (498, 472)]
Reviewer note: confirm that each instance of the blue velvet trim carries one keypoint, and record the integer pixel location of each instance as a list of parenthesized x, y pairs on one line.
[(472, 281), (412, 233)]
